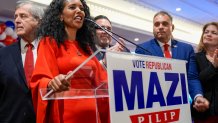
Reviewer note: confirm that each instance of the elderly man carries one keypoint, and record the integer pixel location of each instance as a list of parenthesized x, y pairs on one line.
[(16, 65)]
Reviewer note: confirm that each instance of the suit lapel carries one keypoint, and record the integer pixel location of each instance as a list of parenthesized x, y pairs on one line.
[(174, 49), (16, 55), (156, 48)]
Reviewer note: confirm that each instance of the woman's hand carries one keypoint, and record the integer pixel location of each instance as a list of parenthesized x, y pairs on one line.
[(59, 83), (215, 58), (201, 104)]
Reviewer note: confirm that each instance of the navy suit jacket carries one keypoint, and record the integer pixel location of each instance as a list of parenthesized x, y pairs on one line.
[(15, 97), (180, 51)]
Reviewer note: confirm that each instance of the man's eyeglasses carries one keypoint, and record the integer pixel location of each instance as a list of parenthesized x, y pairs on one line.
[(108, 29)]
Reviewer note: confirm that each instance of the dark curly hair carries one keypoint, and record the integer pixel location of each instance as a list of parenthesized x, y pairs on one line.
[(52, 26)]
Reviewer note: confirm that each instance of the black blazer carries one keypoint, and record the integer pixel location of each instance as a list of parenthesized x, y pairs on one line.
[(15, 97), (209, 79)]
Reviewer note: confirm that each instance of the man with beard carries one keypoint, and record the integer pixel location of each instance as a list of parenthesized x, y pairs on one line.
[(163, 45)]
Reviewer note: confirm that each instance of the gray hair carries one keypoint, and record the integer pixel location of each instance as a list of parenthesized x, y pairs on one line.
[(36, 10)]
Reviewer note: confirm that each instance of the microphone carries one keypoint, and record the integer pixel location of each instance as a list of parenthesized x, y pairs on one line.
[(108, 32)]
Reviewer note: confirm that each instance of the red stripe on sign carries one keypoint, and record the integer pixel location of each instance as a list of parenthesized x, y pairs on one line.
[(157, 117)]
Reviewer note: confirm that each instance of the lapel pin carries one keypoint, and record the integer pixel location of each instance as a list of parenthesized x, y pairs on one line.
[(174, 46)]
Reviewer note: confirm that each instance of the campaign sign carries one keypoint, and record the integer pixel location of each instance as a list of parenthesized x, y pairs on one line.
[(147, 89)]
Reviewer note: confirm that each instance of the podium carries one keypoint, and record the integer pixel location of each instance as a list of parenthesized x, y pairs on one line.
[(99, 92), (140, 89)]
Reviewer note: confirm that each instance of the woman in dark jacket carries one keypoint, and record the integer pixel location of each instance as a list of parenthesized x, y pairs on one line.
[(207, 63)]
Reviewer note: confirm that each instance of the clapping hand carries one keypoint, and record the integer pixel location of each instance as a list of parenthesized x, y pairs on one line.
[(201, 104), (119, 47), (215, 58)]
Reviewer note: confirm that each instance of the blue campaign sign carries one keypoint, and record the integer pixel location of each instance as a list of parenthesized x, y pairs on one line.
[(147, 89)]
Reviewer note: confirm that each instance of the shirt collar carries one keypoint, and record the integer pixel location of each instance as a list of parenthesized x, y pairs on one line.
[(23, 44), (161, 44)]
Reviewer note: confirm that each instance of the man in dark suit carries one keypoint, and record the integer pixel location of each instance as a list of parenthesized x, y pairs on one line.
[(164, 45), (15, 96), (104, 40)]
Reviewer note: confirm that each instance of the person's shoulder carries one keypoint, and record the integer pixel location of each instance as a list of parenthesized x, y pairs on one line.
[(147, 43), (144, 47), (2, 45), (48, 43), (200, 54), (6, 48), (48, 40), (184, 44), (4, 51)]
